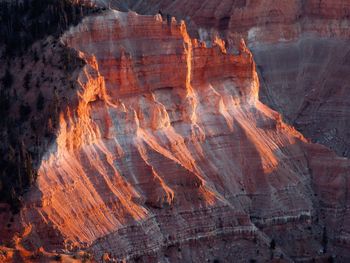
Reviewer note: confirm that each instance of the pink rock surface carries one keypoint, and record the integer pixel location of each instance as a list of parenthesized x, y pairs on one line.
[(301, 50), (167, 154)]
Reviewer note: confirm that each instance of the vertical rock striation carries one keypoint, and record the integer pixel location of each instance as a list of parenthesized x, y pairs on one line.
[(301, 51), (166, 153)]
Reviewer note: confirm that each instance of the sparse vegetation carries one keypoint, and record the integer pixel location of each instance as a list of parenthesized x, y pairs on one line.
[(24, 111), (27, 79), (24, 22), (272, 244), (4, 103), (7, 80), (58, 257), (23, 137), (324, 240), (86, 257), (40, 103)]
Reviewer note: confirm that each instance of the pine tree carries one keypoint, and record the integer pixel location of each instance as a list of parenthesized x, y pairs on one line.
[(40, 103)]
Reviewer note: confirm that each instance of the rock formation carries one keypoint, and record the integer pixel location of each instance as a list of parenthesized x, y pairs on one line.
[(164, 152), (301, 51)]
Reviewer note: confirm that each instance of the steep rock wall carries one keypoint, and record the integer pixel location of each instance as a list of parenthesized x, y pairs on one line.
[(166, 150), (301, 50)]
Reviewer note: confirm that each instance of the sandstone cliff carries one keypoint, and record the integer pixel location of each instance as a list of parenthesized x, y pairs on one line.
[(164, 152), (301, 50)]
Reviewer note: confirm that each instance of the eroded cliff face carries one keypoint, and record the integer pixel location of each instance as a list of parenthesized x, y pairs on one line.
[(166, 153), (301, 50), (265, 20)]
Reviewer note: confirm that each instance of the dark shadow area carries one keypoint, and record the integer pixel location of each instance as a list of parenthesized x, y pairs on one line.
[(26, 128)]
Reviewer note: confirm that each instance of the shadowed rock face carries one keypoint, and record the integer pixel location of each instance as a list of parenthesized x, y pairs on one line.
[(166, 153), (300, 48), (308, 82)]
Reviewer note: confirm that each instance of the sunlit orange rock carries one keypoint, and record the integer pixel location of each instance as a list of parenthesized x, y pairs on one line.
[(301, 49), (167, 153)]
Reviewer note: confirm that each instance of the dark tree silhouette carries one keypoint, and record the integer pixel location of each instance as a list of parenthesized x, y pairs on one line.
[(21, 24)]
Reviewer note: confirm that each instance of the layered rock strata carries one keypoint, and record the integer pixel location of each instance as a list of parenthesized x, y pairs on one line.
[(166, 153), (301, 50)]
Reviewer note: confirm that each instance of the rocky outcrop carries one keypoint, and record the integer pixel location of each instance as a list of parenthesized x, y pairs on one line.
[(257, 21), (34, 70), (301, 50), (165, 153)]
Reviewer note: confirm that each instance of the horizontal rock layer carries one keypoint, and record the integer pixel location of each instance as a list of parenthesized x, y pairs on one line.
[(300, 48), (167, 154)]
